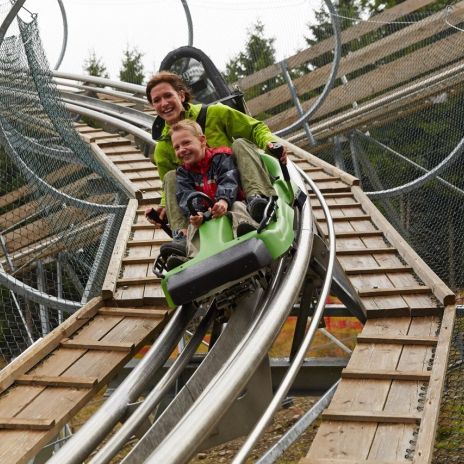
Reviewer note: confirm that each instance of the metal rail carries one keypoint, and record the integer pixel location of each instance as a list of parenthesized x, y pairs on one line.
[(217, 397), (311, 332), (101, 423), (333, 74), (131, 425)]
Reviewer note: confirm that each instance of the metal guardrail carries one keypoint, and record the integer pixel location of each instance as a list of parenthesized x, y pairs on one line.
[(310, 333), (92, 433), (217, 397)]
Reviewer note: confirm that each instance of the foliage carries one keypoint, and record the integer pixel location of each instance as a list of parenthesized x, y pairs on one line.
[(132, 67), (259, 53), (94, 66)]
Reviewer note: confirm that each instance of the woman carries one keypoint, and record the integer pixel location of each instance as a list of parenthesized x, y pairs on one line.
[(224, 126)]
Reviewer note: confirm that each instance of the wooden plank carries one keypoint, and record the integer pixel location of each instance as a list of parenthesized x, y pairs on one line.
[(378, 270), (56, 381), (133, 312), (97, 345), (426, 437), (360, 217), (28, 424), (371, 416), (397, 339), (356, 60), (339, 205), (114, 141), (327, 45), (365, 251), (385, 375), (139, 260), (142, 243), (376, 81), (143, 280), (358, 233), (438, 288), (392, 291), (143, 226), (109, 284), (46, 345), (114, 173)]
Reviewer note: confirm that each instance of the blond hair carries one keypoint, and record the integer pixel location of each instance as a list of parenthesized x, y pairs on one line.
[(187, 124)]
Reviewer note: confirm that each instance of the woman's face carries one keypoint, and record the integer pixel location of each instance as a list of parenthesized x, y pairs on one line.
[(167, 102)]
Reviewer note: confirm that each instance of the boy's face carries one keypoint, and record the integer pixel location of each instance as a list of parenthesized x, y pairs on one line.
[(189, 148)]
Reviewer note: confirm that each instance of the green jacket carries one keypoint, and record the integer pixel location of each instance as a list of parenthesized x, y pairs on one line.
[(223, 126)]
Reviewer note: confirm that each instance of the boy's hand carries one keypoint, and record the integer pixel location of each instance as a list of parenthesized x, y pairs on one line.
[(219, 208), (197, 220)]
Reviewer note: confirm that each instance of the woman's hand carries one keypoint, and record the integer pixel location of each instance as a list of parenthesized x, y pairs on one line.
[(197, 220), (284, 155), (161, 212), (219, 208)]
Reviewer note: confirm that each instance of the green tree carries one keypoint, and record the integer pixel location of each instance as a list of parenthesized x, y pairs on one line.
[(132, 67), (94, 66), (258, 54)]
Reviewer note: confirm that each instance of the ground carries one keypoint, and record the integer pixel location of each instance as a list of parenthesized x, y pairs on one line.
[(225, 453), (283, 420)]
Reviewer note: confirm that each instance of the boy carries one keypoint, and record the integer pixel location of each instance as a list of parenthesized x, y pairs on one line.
[(213, 172)]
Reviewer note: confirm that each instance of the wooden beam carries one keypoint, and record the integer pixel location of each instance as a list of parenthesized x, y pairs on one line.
[(28, 424), (378, 270), (138, 280), (327, 45), (437, 286), (154, 241), (134, 312), (307, 460), (359, 233), (397, 339), (371, 416), (360, 217), (426, 437), (366, 251), (57, 381), (339, 205), (114, 172), (109, 284), (46, 345), (97, 345), (420, 289), (386, 375), (139, 260)]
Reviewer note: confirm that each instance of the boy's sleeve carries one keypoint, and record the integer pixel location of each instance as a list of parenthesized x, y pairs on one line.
[(227, 179), (184, 187)]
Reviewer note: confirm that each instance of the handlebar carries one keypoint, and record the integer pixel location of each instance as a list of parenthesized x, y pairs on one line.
[(204, 199), (276, 149)]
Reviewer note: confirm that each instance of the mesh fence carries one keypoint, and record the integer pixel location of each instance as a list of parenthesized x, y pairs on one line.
[(60, 212), (393, 117)]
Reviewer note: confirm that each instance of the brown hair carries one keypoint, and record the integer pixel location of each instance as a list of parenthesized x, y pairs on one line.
[(188, 124), (170, 78)]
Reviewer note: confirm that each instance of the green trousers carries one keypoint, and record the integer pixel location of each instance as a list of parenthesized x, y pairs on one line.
[(253, 176)]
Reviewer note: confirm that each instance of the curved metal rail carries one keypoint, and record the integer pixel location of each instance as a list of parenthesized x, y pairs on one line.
[(131, 425), (333, 74), (100, 424), (292, 372), (217, 397)]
